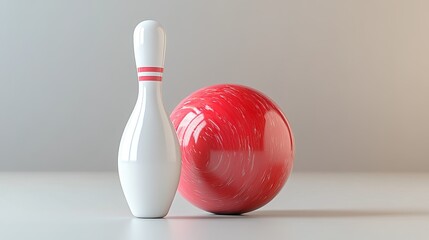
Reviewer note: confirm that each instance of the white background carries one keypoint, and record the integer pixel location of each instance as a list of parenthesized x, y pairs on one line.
[(351, 76)]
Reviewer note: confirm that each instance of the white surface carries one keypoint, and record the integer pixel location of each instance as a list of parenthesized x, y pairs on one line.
[(149, 44), (311, 206)]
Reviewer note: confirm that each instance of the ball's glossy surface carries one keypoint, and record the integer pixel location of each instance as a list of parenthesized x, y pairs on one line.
[(237, 148)]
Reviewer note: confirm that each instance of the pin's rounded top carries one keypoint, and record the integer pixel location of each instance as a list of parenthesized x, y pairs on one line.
[(149, 44)]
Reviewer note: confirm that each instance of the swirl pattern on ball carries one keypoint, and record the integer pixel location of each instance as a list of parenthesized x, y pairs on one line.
[(237, 148)]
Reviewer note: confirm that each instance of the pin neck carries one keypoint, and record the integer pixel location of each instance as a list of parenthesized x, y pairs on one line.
[(150, 90)]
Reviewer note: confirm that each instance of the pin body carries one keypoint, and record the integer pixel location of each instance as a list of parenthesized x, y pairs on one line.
[(149, 160)]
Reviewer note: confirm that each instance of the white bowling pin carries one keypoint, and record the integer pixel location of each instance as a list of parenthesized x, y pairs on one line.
[(149, 159)]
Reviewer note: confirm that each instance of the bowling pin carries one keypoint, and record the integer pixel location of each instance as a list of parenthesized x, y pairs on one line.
[(149, 159)]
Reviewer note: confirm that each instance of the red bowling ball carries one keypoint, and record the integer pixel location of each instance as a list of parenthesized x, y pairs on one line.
[(237, 148)]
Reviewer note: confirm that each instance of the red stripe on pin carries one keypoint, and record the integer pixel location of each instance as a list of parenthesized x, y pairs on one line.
[(150, 69), (150, 78)]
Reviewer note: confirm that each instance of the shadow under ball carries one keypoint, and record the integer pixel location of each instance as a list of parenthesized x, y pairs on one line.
[(237, 148)]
